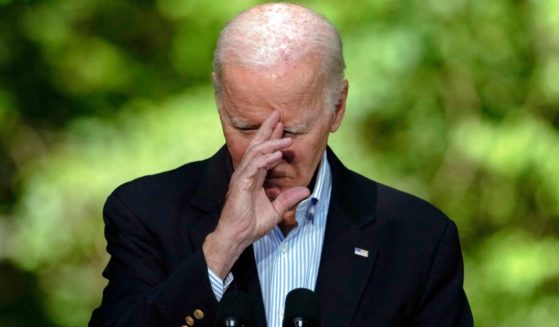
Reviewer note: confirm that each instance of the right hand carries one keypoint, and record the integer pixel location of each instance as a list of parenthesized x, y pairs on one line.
[(248, 214)]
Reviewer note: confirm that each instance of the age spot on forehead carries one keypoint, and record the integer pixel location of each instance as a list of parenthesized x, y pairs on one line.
[(273, 33)]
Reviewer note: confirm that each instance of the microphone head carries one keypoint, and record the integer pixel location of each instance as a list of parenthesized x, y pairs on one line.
[(301, 303), (236, 306)]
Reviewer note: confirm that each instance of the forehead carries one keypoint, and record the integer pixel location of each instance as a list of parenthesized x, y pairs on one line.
[(294, 89)]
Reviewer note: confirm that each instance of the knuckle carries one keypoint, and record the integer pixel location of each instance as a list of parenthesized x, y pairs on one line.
[(253, 148)]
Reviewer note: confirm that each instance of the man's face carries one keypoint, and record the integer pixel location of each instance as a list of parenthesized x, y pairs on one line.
[(249, 95)]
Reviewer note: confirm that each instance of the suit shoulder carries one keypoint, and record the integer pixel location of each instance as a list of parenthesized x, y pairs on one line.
[(168, 184), (395, 204)]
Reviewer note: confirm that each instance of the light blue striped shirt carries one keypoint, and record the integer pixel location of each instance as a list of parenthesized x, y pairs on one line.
[(286, 263)]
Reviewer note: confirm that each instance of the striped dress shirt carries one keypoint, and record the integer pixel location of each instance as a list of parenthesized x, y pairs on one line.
[(286, 263)]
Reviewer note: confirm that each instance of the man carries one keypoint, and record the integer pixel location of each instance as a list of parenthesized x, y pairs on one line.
[(275, 209)]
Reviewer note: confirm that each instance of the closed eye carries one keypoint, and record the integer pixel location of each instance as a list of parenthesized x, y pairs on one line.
[(247, 130), (291, 133), (296, 129)]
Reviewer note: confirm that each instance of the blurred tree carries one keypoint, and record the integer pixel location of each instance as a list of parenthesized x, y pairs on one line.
[(455, 101), (20, 304)]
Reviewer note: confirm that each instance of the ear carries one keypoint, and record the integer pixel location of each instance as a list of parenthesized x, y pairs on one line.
[(340, 108)]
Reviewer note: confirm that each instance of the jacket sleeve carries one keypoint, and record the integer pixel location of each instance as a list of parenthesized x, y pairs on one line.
[(444, 302), (140, 292)]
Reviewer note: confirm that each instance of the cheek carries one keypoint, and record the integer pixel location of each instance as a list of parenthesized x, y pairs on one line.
[(237, 147), (300, 152), (307, 151)]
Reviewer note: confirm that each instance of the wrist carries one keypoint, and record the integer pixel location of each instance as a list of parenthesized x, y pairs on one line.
[(221, 253)]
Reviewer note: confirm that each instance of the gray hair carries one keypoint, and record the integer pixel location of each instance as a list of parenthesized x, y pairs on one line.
[(276, 33)]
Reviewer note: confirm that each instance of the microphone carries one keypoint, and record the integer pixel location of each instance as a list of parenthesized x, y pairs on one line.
[(235, 310), (302, 309)]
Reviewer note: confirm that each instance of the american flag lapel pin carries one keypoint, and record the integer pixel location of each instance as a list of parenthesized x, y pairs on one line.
[(361, 252)]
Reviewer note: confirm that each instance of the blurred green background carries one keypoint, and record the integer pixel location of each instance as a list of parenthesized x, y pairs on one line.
[(456, 101)]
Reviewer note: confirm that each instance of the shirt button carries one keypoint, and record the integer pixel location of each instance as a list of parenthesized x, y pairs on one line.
[(189, 320), (284, 248)]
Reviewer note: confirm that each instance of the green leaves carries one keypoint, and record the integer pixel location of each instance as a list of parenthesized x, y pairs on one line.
[(455, 101)]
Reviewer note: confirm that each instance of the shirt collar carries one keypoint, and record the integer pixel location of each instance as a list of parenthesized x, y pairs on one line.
[(308, 207)]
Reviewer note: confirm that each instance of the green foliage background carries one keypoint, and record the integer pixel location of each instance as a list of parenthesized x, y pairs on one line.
[(456, 101)]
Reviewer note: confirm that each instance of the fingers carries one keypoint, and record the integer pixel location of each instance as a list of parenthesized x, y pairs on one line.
[(277, 133), (255, 152), (263, 162), (256, 164), (289, 198), (262, 154), (268, 146), (268, 138), (267, 128)]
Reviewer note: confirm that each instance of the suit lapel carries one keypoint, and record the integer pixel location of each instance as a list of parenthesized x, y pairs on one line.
[(208, 199), (343, 274)]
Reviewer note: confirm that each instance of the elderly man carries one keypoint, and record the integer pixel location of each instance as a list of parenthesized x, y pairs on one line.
[(275, 209)]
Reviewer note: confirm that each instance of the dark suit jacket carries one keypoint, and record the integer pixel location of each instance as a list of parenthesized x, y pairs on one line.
[(155, 227)]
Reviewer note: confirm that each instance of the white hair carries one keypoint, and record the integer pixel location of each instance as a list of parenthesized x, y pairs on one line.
[(276, 33)]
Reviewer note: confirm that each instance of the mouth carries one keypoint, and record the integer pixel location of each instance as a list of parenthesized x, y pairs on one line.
[(274, 174), (273, 178), (273, 184)]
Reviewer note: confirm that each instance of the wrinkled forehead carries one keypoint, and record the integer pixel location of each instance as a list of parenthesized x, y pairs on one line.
[(280, 83), (250, 94)]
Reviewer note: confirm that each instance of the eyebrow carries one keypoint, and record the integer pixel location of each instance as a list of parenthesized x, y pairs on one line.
[(241, 124), (238, 123), (297, 128)]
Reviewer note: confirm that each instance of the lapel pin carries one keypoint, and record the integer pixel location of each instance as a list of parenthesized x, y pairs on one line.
[(361, 252)]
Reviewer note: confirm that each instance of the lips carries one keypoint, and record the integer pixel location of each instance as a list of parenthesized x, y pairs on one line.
[(276, 179), (271, 182), (273, 174), (273, 177)]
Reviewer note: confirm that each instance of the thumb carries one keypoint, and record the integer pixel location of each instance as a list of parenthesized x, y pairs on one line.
[(289, 198)]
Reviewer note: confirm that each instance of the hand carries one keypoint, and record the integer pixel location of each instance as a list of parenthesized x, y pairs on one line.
[(248, 213)]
